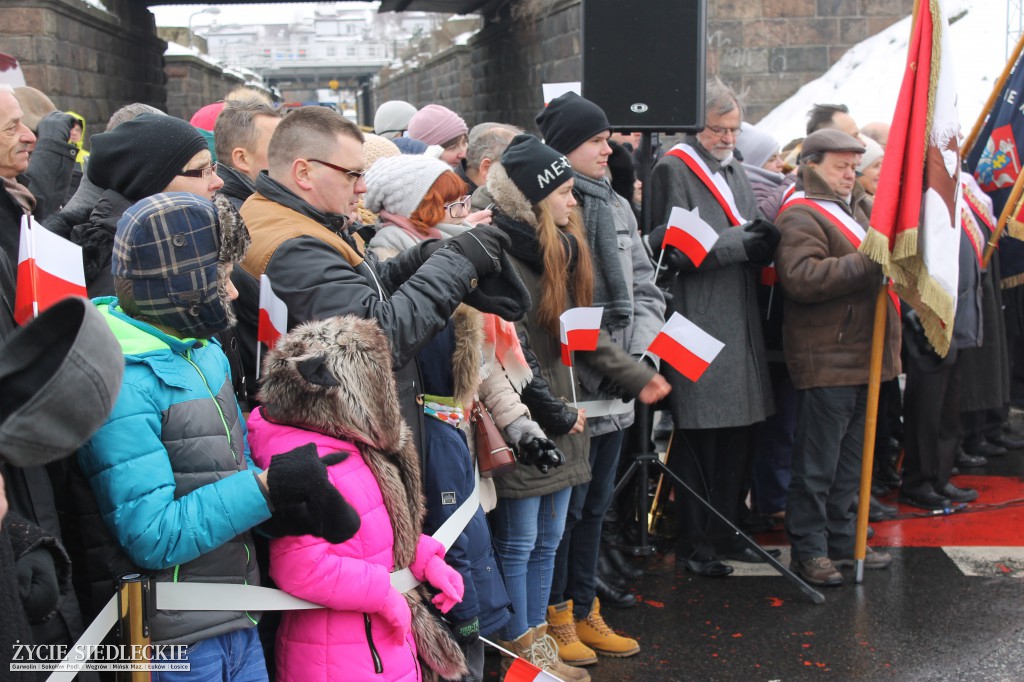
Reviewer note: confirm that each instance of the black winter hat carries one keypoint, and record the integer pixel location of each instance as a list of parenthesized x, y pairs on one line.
[(534, 167), (139, 158), (570, 120)]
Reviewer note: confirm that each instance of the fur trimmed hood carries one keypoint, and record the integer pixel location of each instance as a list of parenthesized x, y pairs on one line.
[(334, 376), (508, 198)]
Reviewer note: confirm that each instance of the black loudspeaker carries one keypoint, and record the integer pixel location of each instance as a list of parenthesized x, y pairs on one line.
[(644, 63)]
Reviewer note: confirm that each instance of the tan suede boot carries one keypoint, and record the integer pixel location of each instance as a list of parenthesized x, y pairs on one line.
[(522, 646), (562, 627), (545, 656), (596, 634)]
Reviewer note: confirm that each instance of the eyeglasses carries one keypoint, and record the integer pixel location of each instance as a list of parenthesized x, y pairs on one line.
[(352, 174), (456, 208), (719, 131), (203, 173)]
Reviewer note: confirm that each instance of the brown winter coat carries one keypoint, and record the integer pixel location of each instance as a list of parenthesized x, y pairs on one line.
[(830, 291)]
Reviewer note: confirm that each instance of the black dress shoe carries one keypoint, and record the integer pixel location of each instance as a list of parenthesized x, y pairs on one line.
[(880, 512), (756, 523), (987, 449), (613, 596), (1005, 440), (749, 556), (707, 568), (958, 494), (623, 566), (607, 572), (924, 499), (970, 461)]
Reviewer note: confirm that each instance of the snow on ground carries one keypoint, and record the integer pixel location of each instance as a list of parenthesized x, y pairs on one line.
[(868, 77)]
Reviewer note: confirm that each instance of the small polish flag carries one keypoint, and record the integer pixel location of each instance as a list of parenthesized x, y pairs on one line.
[(685, 346), (49, 269), (769, 275), (688, 233), (580, 328), (273, 315), (522, 670)]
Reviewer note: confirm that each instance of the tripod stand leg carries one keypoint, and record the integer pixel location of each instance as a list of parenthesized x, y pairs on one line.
[(812, 594)]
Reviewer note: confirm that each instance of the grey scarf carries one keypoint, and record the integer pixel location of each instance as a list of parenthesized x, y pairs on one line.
[(609, 282)]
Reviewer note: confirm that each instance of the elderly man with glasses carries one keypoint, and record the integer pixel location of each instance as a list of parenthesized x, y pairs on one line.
[(299, 227), (716, 418)]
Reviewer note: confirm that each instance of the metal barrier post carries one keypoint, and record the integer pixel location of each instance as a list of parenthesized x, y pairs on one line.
[(134, 601)]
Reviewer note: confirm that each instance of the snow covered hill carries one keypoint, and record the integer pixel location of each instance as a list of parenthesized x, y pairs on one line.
[(867, 78)]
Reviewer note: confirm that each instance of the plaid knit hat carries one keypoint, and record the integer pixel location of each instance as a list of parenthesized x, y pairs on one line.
[(171, 250)]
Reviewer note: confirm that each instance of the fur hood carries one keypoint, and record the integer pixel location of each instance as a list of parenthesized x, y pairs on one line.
[(334, 376), (508, 198)]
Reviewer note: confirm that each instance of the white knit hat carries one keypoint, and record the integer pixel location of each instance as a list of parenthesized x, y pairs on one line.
[(397, 184), (873, 152)]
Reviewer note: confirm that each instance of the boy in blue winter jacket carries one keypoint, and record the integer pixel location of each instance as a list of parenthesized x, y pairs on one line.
[(170, 469)]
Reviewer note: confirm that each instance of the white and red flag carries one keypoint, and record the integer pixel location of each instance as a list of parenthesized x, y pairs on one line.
[(579, 329), (690, 234), (522, 670), (685, 346), (915, 224), (49, 269), (273, 322)]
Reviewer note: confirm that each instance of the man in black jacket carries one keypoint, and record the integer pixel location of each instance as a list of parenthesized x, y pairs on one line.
[(298, 222), (242, 135)]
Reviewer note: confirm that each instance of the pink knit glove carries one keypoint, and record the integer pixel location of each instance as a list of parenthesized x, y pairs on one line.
[(395, 611), (428, 548), (448, 580)]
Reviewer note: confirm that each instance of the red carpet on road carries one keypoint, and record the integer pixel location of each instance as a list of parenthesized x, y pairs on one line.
[(978, 525)]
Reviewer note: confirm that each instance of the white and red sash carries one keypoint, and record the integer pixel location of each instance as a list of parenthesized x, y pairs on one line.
[(841, 220), (974, 214), (715, 182)]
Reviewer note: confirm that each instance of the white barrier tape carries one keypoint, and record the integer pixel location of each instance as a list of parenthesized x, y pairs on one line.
[(226, 597), (604, 408), (91, 638), (229, 597)]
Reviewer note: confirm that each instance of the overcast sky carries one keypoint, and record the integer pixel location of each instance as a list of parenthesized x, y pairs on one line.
[(256, 13)]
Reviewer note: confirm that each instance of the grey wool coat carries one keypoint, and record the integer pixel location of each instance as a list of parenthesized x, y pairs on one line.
[(719, 297)]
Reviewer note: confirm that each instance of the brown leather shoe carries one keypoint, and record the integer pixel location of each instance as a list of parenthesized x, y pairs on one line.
[(817, 571), (874, 559)]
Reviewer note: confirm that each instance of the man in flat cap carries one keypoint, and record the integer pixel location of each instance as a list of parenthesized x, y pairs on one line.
[(830, 289)]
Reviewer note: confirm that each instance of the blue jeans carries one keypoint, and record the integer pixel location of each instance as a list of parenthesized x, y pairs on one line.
[(575, 574), (232, 657), (526, 534)]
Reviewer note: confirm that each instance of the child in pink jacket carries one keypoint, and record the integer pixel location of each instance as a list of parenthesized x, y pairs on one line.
[(329, 382)]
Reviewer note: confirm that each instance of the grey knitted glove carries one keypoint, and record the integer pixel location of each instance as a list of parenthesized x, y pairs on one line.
[(521, 427)]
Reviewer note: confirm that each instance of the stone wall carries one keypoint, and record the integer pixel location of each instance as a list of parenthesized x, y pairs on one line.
[(765, 49), (86, 60), (193, 83)]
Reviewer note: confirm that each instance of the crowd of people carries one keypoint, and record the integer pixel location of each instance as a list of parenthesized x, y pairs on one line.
[(424, 268)]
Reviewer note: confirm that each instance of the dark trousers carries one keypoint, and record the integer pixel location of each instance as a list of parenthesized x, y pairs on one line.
[(931, 423), (775, 449), (827, 453), (712, 463), (576, 559)]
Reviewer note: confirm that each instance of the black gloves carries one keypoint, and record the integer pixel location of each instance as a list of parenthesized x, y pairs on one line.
[(483, 246), (304, 501), (466, 632), (539, 452), (56, 125), (37, 584), (759, 241)]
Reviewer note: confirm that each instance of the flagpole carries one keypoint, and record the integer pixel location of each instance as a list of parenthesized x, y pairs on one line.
[(572, 382), (971, 139), (259, 348), (870, 428), (1004, 217)]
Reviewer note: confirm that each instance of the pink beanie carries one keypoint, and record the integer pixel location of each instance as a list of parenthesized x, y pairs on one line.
[(435, 124), (206, 117)]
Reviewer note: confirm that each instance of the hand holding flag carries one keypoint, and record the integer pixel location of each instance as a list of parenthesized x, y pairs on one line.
[(685, 346), (689, 233)]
